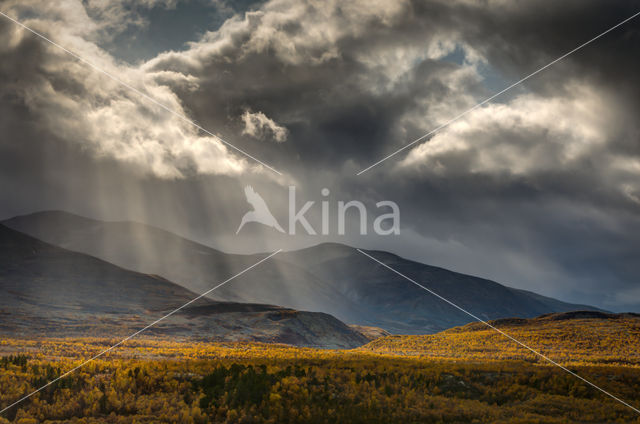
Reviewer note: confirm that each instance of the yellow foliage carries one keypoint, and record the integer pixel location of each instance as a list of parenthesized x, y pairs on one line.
[(468, 374)]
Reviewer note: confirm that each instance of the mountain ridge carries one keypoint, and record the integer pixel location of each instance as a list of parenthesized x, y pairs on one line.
[(50, 290), (330, 277)]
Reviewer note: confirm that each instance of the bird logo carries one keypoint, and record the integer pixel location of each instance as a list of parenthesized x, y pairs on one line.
[(260, 212)]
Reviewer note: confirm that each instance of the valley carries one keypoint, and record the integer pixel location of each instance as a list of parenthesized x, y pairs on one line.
[(455, 378), (318, 335)]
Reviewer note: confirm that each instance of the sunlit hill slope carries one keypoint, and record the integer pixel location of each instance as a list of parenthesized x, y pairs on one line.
[(583, 337)]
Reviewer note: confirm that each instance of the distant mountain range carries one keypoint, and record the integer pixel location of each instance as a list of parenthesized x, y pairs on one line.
[(330, 278), (48, 290)]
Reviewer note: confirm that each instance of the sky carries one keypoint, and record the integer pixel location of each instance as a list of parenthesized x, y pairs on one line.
[(538, 189)]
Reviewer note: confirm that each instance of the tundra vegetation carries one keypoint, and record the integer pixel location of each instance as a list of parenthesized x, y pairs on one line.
[(467, 374)]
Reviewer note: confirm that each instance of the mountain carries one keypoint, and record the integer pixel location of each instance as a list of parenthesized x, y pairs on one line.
[(194, 266), (331, 278), (45, 289)]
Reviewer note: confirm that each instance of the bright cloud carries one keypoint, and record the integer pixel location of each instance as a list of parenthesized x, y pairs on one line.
[(258, 125)]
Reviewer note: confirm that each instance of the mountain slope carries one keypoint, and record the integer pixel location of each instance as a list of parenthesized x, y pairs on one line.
[(45, 289), (577, 337), (388, 296), (197, 267), (331, 278), (40, 275)]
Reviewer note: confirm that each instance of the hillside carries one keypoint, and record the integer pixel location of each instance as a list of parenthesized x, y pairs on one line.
[(405, 308), (581, 337), (47, 290), (150, 381), (329, 278)]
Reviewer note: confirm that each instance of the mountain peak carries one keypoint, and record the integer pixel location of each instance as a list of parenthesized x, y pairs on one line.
[(329, 277)]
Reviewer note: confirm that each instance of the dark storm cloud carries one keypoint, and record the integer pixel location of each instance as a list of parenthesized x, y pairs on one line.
[(533, 34), (539, 190), (564, 198), (337, 79)]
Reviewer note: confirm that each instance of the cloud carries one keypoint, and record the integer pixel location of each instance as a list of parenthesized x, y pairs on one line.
[(527, 135), (538, 189), (258, 125), (74, 102), (114, 17), (339, 76)]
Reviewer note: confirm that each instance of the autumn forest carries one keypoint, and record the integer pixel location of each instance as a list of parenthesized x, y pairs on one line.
[(448, 377)]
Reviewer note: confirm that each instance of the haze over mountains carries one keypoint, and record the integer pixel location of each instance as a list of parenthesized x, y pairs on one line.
[(48, 290), (329, 278)]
